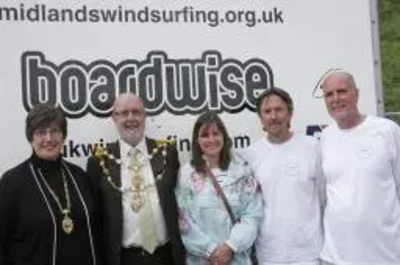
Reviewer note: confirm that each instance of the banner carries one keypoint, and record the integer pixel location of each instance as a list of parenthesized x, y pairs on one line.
[(182, 58)]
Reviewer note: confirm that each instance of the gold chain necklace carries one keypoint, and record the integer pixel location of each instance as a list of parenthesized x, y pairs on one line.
[(67, 223), (101, 154)]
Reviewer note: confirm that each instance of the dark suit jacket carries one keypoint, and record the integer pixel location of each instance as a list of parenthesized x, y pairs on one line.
[(112, 202)]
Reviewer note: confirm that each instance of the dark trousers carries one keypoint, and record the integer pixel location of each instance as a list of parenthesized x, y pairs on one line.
[(138, 256)]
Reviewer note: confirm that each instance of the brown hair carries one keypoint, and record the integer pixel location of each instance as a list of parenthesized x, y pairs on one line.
[(42, 116), (198, 162), (279, 92)]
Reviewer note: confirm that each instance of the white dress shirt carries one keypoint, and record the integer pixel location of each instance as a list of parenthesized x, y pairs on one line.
[(131, 234)]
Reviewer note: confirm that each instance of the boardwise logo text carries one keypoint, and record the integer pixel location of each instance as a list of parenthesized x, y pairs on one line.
[(178, 86)]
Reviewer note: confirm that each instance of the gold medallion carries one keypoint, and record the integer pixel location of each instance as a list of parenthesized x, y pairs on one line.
[(67, 224), (137, 202)]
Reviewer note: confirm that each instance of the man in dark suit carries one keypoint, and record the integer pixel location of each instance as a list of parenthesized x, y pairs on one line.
[(135, 179)]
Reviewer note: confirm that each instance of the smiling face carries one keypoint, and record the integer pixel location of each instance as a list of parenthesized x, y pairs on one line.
[(275, 117), (47, 143), (341, 96), (129, 118), (211, 141), (46, 129)]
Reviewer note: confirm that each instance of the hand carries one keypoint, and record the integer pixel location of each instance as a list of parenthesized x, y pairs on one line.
[(222, 255)]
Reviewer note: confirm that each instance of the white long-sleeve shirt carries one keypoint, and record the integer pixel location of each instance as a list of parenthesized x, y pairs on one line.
[(131, 233), (291, 183), (362, 215)]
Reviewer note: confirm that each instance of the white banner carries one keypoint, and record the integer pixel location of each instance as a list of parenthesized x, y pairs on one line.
[(180, 57)]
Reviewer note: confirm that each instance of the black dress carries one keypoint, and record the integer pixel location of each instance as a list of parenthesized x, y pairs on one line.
[(31, 230)]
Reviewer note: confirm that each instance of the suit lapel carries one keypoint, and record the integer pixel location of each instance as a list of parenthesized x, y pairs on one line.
[(157, 161), (115, 169), (114, 195)]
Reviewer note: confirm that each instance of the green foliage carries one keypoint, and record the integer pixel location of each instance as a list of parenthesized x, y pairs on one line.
[(389, 13)]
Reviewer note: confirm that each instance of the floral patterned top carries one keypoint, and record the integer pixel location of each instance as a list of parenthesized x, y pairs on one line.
[(204, 220)]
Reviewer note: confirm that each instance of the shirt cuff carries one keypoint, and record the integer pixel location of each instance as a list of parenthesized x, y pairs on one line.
[(231, 246), (210, 250)]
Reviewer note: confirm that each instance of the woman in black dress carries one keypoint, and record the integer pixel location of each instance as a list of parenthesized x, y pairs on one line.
[(47, 206)]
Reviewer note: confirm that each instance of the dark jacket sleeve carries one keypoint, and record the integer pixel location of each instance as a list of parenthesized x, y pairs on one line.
[(172, 171), (94, 173), (173, 165), (8, 214)]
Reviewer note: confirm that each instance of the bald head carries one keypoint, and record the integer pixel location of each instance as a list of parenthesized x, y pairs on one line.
[(125, 98), (341, 97), (341, 76)]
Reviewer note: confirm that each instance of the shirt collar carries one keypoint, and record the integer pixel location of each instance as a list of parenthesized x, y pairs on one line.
[(126, 148)]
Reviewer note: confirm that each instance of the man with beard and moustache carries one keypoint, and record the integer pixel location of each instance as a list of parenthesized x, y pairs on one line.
[(287, 167), (136, 177)]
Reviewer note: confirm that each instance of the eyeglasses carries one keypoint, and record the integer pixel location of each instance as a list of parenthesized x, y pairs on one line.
[(43, 133), (125, 113)]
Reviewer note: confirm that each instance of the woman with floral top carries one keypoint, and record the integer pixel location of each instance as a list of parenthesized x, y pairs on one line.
[(208, 232)]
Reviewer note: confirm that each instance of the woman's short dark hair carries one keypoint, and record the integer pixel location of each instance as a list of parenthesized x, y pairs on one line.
[(279, 92), (198, 162), (43, 116)]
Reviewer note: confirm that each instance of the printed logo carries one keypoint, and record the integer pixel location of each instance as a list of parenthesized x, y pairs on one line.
[(178, 86)]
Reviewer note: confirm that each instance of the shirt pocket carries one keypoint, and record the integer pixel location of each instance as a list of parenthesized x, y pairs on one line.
[(299, 170), (374, 156)]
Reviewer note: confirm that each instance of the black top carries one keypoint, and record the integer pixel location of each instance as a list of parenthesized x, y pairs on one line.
[(30, 219)]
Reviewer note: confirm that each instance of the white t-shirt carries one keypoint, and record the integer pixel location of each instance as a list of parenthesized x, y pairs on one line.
[(290, 178), (362, 215)]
